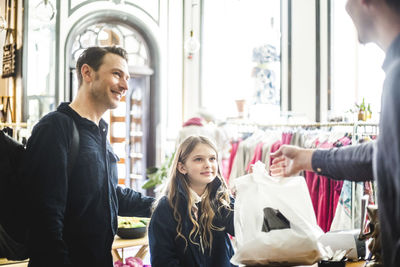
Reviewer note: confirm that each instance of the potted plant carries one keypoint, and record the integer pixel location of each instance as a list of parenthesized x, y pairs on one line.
[(158, 175)]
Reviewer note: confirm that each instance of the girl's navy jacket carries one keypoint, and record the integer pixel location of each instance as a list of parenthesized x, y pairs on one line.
[(168, 250)]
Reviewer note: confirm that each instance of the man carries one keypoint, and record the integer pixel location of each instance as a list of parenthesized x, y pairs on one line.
[(73, 218), (377, 21)]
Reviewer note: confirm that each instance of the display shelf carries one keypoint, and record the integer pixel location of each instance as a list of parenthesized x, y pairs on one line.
[(136, 176), (136, 155), (136, 134), (133, 137), (136, 102), (117, 139), (117, 119)]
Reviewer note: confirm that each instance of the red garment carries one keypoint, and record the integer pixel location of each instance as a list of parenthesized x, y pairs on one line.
[(312, 181), (257, 155), (368, 190), (193, 121), (325, 193)]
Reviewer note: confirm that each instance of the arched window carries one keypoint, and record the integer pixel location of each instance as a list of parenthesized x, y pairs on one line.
[(108, 34), (129, 124)]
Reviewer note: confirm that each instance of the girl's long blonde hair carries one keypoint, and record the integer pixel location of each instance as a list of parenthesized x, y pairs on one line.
[(209, 206)]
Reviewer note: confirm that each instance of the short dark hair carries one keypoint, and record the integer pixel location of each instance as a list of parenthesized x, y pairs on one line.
[(394, 4), (93, 56)]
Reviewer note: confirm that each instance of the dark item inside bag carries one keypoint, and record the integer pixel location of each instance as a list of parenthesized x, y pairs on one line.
[(274, 220)]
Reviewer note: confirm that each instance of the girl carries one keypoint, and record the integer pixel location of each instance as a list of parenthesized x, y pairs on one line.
[(192, 219)]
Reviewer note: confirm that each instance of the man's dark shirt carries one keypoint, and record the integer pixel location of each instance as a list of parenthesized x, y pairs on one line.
[(380, 160), (73, 219)]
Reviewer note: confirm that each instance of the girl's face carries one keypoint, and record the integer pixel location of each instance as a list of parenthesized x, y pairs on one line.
[(201, 166)]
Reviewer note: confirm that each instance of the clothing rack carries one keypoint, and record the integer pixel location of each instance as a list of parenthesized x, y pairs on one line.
[(355, 125), (314, 124), (359, 128)]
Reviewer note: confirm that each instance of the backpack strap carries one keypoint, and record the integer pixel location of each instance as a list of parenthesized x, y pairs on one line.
[(74, 149), (74, 146)]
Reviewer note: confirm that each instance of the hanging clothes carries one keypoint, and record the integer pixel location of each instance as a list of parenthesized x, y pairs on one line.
[(234, 148), (257, 155), (335, 204)]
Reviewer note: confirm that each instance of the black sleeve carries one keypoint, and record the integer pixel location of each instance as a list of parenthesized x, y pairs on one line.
[(46, 183), (162, 234), (226, 217), (350, 163), (132, 203)]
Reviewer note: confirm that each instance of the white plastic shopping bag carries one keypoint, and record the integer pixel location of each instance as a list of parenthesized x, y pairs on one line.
[(294, 246)]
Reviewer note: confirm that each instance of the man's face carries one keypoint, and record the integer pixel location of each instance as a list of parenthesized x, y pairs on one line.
[(111, 81), (361, 19)]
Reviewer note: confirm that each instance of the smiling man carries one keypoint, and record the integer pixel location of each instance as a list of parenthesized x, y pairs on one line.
[(73, 218)]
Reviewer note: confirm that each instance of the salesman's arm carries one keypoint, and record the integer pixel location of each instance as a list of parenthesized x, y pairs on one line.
[(351, 163)]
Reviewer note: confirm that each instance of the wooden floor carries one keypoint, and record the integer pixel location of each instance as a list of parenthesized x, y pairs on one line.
[(355, 264)]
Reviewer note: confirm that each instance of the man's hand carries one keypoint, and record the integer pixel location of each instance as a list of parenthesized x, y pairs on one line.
[(290, 160)]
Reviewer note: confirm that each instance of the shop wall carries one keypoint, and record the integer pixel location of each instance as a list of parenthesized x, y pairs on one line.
[(324, 69), (11, 87), (309, 60), (191, 63), (304, 59), (3, 82), (285, 47), (174, 93)]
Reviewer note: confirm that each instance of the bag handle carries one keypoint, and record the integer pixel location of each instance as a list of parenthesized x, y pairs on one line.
[(74, 146)]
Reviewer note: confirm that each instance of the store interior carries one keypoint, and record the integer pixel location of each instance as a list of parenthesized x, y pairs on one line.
[(258, 74)]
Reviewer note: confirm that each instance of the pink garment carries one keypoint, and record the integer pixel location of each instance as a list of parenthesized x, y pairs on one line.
[(275, 146), (345, 141), (234, 148), (257, 155), (286, 138), (193, 121), (225, 169)]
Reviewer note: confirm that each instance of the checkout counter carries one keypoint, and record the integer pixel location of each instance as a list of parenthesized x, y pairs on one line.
[(117, 251)]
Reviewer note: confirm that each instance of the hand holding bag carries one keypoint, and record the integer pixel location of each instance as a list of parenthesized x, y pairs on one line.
[(292, 229)]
